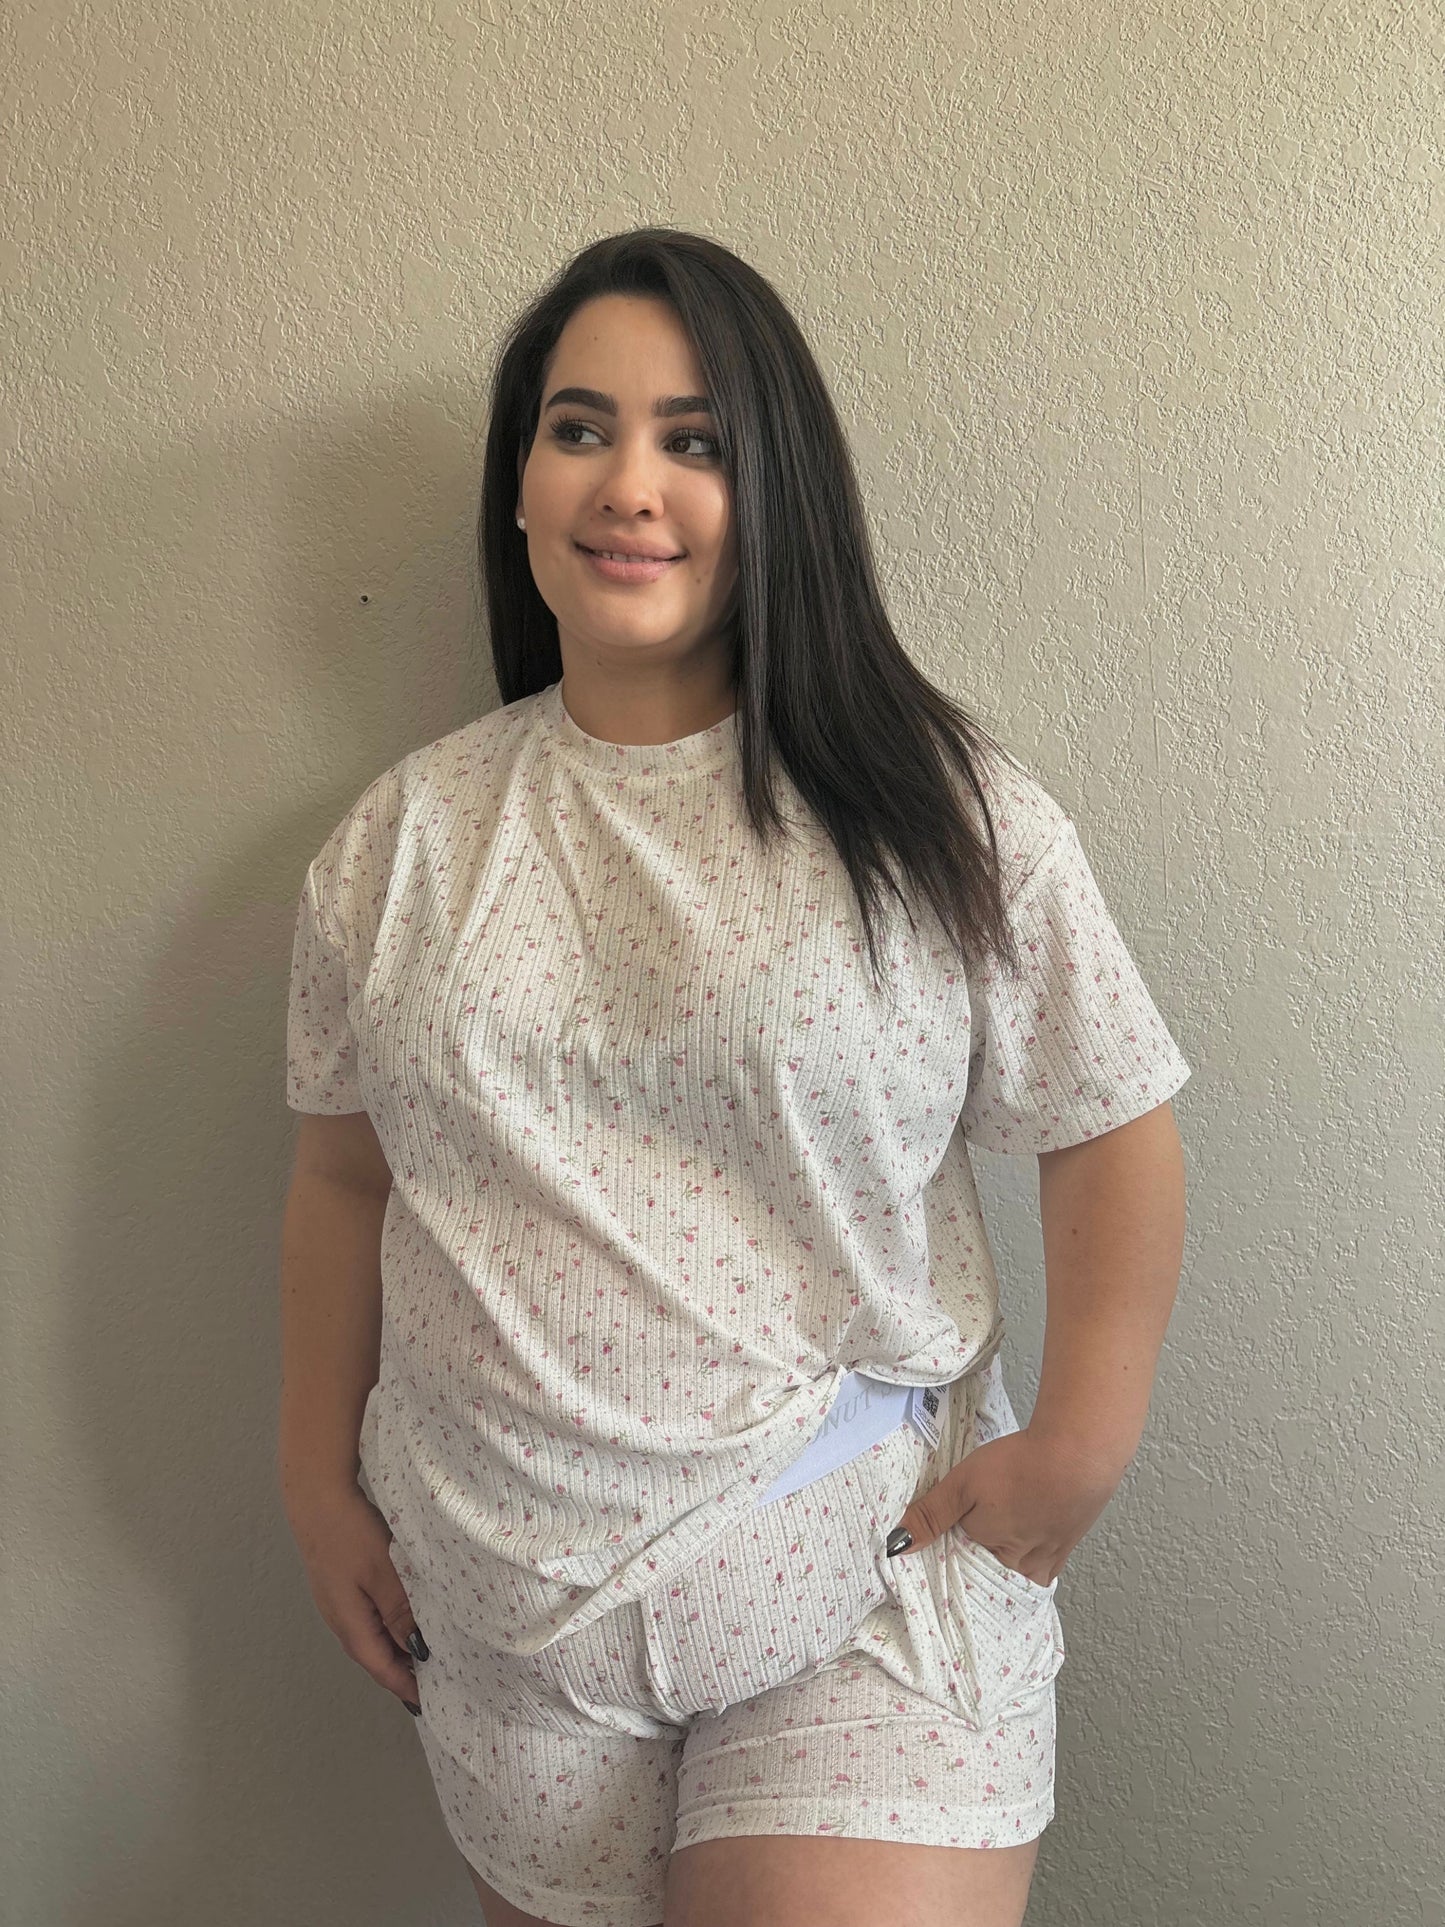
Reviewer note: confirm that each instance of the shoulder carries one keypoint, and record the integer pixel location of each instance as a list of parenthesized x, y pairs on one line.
[(1028, 820), (409, 814), (487, 743), (457, 768)]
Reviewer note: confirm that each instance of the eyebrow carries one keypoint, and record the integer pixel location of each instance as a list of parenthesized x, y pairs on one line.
[(665, 405)]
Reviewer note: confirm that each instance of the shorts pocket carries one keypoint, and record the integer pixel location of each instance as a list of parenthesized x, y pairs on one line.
[(1013, 1626), (1008, 1578)]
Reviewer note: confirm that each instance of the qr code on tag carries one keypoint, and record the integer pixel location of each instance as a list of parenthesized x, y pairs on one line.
[(923, 1409)]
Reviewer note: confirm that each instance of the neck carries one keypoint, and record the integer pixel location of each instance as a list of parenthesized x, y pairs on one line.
[(644, 714)]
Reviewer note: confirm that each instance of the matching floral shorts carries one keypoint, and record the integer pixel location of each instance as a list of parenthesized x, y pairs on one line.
[(796, 1681)]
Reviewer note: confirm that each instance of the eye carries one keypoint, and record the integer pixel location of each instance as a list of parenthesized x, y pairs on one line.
[(696, 435), (560, 428), (560, 433)]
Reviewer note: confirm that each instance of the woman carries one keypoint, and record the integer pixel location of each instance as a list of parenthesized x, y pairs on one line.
[(633, 1194)]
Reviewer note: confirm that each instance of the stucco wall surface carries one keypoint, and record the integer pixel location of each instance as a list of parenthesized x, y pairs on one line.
[(1133, 313)]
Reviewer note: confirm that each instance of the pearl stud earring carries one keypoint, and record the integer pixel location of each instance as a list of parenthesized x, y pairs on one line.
[(521, 521)]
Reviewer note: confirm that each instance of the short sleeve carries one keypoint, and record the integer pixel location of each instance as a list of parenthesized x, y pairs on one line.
[(1075, 1046), (321, 1054), (343, 899)]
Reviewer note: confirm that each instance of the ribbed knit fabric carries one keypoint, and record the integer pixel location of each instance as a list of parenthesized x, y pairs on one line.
[(795, 1681), (667, 1164)]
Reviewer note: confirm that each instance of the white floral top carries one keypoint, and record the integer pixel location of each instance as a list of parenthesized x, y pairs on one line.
[(667, 1164)]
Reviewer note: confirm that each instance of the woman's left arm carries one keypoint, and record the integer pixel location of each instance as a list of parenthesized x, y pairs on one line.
[(1112, 1211), (1113, 1219)]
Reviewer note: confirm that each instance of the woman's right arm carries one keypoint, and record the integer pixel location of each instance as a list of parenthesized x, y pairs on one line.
[(330, 1359), (330, 1303)]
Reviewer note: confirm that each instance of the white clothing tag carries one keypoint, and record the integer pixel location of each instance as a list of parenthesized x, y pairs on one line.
[(925, 1406), (865, 1410)]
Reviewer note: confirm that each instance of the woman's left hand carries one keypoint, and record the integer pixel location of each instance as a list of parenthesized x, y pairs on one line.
[(1027, 1498)]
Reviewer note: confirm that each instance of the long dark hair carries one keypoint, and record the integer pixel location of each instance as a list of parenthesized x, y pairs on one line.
[(822, 681)]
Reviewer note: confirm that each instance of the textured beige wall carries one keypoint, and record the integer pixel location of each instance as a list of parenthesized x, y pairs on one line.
[(1133, 312)]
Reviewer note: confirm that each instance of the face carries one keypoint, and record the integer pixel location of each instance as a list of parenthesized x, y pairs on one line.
[(630, 478)]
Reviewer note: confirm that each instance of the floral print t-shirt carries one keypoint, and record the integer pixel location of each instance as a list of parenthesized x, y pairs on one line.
[(667, 1162)]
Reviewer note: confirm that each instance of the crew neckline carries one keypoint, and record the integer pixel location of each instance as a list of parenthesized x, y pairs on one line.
[(706, 749)]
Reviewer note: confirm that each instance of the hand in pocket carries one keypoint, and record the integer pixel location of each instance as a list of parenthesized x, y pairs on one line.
[(1020, 1497), (345, 1545)]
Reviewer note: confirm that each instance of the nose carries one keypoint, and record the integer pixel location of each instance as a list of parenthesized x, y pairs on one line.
[(632, 481)]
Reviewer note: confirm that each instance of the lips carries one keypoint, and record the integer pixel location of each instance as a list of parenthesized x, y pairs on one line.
[(630, 555)]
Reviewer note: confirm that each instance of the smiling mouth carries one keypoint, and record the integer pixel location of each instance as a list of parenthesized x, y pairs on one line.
[(614, 555)]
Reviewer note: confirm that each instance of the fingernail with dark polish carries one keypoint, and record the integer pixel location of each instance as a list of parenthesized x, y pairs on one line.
[(898, 1540), (417, 1644), (414, 1710)]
